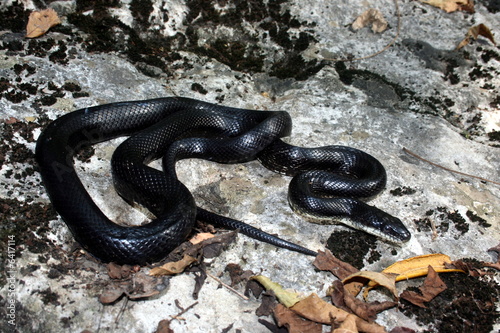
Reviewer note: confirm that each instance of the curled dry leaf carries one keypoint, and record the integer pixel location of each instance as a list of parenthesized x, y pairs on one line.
[(293, 322), (173, 267), (371, 17), (287, 298), (387, 280), (474, 32), (40, 22), (316, 309), (367, 311), (452, 5), (433, 285)]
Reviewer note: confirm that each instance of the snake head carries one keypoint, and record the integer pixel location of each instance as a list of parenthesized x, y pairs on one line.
[(381, 224)]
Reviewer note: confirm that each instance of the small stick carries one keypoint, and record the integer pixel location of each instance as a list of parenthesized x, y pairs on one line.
[(447, 169), (228, 287), (122, 310), (178, 316)]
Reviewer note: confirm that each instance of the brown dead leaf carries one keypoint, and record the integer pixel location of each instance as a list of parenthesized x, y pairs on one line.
[(111, 294), (433, 285), (387, 280), (496, 249), (317, 310), (173, 267), (11, 120), (371, 17), (198, 238), (497, 264), (474, 32), (367, 311), (326, 261), (237, 274), (267, 304), (164, 327), (40, 22), (121, 271), (137, 286), (401, 329), (347, 326), (293, 322), (452, 5)]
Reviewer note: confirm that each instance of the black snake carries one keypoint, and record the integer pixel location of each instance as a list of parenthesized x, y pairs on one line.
[(325, 184)]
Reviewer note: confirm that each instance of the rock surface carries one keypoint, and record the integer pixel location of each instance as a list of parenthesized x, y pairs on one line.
[(420, 94)]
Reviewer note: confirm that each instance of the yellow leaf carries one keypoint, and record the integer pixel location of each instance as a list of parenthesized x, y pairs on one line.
[(172, 268), (418, 266), (287, 298), (40, 22)]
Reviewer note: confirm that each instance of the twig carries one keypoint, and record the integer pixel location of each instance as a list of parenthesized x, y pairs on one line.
[(398, 14), (178, 316), (447, 169), (122, 310), (228, 287)]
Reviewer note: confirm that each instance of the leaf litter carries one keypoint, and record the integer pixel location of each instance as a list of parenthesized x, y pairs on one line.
[(39, 22), (344, 312), (340, 309)]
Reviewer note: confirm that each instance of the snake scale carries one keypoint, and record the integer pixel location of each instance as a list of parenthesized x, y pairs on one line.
[(326, 183)]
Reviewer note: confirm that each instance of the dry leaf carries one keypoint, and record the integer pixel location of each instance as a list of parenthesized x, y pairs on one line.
[(116, 271), (287, 298), (497, 264), (198, 238), (138, 286), (293, 322), (371, 17), (316, 309), (401, 329), (347, 326), (40, 22), (418, 266), (164, 327), (474, 32), (432, 286), (367, 311), (237, 274), (173, 267), (452, 5), (387, 280), (326, 261)]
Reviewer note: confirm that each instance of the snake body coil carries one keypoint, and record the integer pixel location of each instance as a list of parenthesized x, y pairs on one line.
[(326, 179)]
